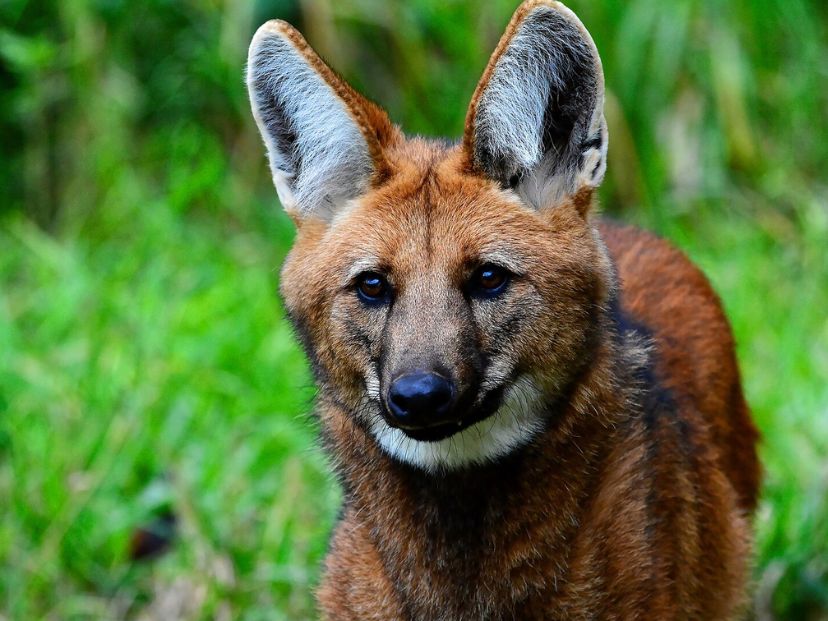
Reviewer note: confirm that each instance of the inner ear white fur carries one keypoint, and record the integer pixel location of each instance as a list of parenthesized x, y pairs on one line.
[(318, 156), (538, 123)]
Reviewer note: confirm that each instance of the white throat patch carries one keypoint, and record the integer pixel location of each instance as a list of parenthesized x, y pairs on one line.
[(510, 427)]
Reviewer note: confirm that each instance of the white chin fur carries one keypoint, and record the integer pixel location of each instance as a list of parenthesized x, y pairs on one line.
[(511, 427)]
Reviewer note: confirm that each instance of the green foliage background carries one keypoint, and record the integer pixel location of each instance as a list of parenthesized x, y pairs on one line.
[(145, 363)]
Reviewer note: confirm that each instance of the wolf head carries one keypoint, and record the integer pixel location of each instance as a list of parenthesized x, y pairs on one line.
[(446, 295)]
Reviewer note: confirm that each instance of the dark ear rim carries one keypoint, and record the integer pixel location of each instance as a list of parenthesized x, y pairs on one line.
[(518, 18), (373, 122)]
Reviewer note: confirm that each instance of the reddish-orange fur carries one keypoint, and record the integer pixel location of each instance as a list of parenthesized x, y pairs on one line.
[(696, 356), (632, 502), (565, 531)]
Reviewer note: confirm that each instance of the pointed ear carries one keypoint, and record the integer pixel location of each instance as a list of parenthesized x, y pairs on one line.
[(324, 141), (536, 121)]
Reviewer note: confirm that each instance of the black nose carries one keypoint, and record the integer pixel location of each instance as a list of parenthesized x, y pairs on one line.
[(421, 400)]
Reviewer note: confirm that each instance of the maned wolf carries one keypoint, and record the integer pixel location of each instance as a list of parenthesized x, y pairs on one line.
[(534, 414)]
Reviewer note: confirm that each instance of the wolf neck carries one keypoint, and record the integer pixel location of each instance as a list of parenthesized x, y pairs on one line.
[(473, 528)]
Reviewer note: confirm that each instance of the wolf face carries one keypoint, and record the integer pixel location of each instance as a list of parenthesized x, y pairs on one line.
[(446, 295), (445, 276)]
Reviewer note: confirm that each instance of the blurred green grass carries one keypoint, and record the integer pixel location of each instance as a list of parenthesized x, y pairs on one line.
[(145, 362)]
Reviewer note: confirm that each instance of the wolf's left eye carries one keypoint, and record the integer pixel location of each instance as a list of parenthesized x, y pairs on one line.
[(372, 287), (489, 280)]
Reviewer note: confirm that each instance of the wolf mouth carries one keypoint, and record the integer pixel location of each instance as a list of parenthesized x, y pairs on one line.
[(471, 416)]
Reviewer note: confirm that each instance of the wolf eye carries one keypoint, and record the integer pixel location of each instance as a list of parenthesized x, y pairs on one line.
[(489, 280), (372, 287)]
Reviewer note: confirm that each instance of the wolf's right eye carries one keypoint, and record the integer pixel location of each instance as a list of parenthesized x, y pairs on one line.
[(372, 287), (489, 280)]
